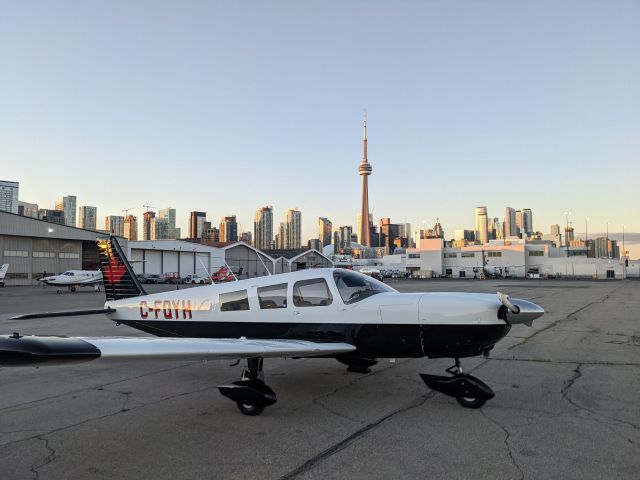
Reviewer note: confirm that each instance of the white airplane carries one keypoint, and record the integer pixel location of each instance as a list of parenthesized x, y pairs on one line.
[(74, 279), (325, 312), (3, 273)]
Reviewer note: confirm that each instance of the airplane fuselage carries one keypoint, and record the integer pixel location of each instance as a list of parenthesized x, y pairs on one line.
[(384, 324)]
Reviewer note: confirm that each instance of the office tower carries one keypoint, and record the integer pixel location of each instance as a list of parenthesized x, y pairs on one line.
[(498, 228), (51, 216), (555, 230), (27, 209), (527, 222), (196, 224), (67, 204), (168, 216), (246, 237), (281, 237), (263, 228), (344, 237), (510, 228), (364, 170), (211, 234), (131, 227), (315, 243), (568, 235), (147, 226), (9, 196), (324, 231), (519, 224), (228, 229), (293, 228), (87, 217), (159, 228), (114, 224), (481, 225)]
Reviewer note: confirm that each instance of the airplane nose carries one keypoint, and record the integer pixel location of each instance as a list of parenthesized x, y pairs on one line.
[(529, 311)]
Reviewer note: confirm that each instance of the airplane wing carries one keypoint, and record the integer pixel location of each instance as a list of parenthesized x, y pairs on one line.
[(16, 350)]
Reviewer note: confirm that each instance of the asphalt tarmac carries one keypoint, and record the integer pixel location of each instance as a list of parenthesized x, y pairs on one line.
[(567, 403)]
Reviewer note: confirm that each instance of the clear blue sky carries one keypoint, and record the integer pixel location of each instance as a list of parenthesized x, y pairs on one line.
[(227, 106)]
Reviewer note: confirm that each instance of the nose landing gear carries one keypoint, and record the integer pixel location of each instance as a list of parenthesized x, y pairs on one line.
[(469, 391)]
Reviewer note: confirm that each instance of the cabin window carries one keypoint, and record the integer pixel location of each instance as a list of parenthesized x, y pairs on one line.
[(232, 301), (273, 296), (312, 293), (353, 287), (468, 254)]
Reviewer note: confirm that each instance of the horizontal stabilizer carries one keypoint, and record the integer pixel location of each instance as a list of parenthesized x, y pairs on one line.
[(27, 350), (68, 313)]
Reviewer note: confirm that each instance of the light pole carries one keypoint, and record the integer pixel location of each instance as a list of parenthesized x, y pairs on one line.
[(566, 231), (608, 254)]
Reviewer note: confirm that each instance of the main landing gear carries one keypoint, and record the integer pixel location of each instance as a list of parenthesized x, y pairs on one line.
[(250, 392), (469, 391)]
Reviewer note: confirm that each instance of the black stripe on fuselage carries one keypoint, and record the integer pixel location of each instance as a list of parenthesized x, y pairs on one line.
[(371, 340)]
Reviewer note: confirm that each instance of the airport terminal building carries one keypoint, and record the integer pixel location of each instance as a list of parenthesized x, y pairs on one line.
[(34, 247)]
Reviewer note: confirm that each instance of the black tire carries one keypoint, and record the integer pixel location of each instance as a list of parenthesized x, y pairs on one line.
[(470, 402), (249, 409), (73, 289)]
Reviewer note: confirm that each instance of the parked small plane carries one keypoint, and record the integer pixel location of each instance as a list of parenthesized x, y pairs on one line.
[(324, 312), (74, 279), (3, 273)]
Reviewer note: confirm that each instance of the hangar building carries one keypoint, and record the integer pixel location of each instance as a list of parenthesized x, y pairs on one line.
[(34, 247)]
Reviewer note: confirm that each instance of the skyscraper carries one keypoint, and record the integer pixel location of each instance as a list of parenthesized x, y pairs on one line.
[(9, 196), (519, 224), (293, 228), (481, 225), (263, 228), (280, 237), (67, 204), (527, 222), (344, 237), (168, 215), (115, 224), (87, 217), (228, 229), (509, 222), (364, 169), (131, 227), (147, 225), (554, 230), (196, 224), (324, 231)]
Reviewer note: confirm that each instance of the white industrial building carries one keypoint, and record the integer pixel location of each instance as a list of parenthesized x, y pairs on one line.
[(516, 257)]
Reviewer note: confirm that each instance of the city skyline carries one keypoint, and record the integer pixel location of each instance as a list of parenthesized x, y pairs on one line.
[(483, 112)]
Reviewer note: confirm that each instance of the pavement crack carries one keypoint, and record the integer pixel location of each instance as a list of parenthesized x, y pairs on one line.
[(50, 457), (577, 374), (344, 443), (507, 445)]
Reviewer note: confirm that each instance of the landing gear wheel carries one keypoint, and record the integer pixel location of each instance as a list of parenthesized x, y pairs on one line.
[(470, 402), (248, 409), (73, 289), (59, 291)]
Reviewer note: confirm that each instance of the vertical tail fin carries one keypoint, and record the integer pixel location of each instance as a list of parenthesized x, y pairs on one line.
[(117, 275)]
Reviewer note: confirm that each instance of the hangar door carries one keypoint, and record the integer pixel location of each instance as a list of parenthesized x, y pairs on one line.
[(153, 262), (186, 264), (170, 262)]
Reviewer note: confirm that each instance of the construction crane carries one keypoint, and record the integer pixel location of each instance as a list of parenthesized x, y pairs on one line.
[(148, 207), (126, 211)]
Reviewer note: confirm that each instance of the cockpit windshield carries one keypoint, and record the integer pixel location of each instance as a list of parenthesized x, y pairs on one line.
[(68, 274), (354, 287)]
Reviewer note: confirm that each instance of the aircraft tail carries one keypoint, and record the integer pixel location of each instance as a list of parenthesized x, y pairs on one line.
[(3, 270), (117, 275)]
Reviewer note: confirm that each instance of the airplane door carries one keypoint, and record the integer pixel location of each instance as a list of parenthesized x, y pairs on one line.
[(315, 311)]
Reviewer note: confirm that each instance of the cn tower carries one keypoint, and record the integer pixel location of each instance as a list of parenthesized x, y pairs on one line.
[(364, 169)]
